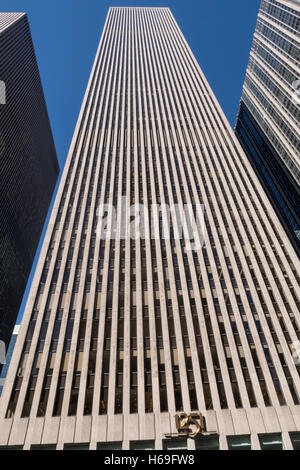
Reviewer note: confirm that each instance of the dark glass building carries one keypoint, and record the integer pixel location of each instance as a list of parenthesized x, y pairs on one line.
[(269, 115), (28, 164)]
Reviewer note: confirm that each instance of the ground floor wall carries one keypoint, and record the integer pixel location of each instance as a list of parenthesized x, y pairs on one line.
[(148, 431)]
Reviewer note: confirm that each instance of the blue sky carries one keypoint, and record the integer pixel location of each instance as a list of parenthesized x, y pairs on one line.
[(66, 34)]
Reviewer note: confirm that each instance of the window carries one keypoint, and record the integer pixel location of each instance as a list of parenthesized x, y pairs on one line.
[(207, 443), (295, 438), (142, 445), (109, 446), (76, 447), (180, 444), (270, 442), (239, 442), (43, 447), (11, 448)]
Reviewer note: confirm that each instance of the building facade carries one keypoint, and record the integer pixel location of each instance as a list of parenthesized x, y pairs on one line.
[(127, 341), (28, 165), (269, 115)]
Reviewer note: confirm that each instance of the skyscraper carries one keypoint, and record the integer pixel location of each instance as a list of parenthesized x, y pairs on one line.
[(269, 114), (28, 165), (140, 341)]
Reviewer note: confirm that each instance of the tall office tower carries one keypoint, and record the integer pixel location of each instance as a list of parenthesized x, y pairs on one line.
[(137, 342), (269, 115), (28, 165)]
